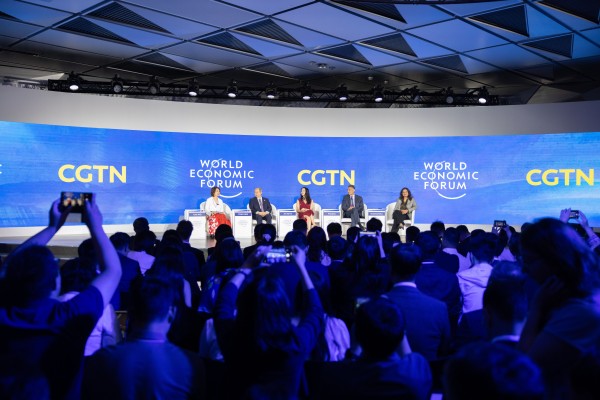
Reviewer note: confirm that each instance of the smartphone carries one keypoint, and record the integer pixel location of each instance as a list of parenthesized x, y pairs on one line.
[(74, 199), (498, 223), (277, 255), (360, 301), (574, 214), (367, 233)]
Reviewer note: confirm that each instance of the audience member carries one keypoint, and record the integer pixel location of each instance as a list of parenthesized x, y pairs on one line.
[(143, 250), (257, 240), (38, 333), (374, 225), (438, 228), (131, 269), (473, 281), (464, 236), (412, 233), (317, 246), (300, 225), (337, 248), (334, 229), (147, 365), (427, 324), (222, 232), (185, 229), (450, 246)]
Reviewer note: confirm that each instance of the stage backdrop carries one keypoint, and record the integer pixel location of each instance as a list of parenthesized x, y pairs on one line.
[(159, 174)]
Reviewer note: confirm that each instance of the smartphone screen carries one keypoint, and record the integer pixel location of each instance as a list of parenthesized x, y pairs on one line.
[(74, 199), (277, 255)]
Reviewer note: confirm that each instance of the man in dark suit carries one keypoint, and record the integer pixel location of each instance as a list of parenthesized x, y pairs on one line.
[(260, 207), (185, 229), (353, 207), (427, 324), (130, 268)]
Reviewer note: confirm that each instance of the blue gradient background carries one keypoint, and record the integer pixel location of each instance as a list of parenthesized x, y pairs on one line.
[(159, 186)]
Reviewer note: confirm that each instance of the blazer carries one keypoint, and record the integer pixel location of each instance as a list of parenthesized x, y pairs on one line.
[(411, 205), (358, 203), (255, 207)]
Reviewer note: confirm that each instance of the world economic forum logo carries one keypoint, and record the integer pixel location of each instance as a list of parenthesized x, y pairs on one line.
[(229, 175), (449, 179)]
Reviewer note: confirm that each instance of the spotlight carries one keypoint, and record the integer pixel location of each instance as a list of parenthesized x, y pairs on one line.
[(342, 92), (154, 86), (415, 95), (449, 96), (193, 88), (483, 96), (232, 90), (271, 91), (117, 84), (73, 81), (378, 94), (306, 92)]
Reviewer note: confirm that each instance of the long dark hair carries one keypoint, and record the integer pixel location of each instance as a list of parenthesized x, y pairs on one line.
[(306, 196), (317, 242), (409, 194)]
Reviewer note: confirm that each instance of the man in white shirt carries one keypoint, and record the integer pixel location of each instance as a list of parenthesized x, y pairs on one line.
[(473, 281)]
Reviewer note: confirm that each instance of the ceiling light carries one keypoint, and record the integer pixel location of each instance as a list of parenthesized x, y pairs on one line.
[(449, 96), (73, 81), (483, 96), (306, 92), (154, 86), (271, 92), (117, 84), (232, 90), (193, 88), (378, 94), (342, 92)]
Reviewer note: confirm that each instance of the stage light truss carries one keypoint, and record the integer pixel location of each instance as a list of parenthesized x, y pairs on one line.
[(410, 96)]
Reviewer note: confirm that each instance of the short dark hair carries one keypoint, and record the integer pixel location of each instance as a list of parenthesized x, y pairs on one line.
[(257, 231), (337, 247), (76, 275), (151, 297), (120, 241), (296, 238), (300, 225), (213, 190), (29, 274), (483, 247), (429, 244), (451, 236), (438, 227), (144, 241), (352, 186), (374, 225), (505, 294), (412, 233), (492, 371), (140, 225), (268, 229), (405, 261), (334, 228), (379, 327), (352, 233), (223, 231), (185, 229)]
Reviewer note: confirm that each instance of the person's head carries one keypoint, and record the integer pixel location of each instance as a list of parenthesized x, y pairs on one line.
[(463, 232), (300, 225), (405, 261), (228, 254), (120, 241), (215, 191), (140, 225), (185, 229), (492, 372), (317, 243), (450, 240), (334, 229), (223, 232), (352, 234), (305, 194), (429, 243), (374, 225), (514, 245), (405, 193), (29, 275), (258, 192), (366, 254), (552, 248), (412, 233), (171, 236), (505, 300), (351, 189), (482, 248), (438, 228), (258, 232), (268, 233), (380, 328), (153, 300), (337, 247), (76, 275), (389, 240), (296, 238), (145, 241)]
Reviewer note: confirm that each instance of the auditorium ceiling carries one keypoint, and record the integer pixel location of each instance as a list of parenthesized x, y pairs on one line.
[(526, 51)]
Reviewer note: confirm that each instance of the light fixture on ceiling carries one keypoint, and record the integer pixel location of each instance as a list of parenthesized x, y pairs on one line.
[(415, 95), (306, 92), (483, 95), (193, 88), (232, 90), (342, 92), (271, 91), (74, 82), (154, 86), (378, 94), (449, 96), (117, 84)]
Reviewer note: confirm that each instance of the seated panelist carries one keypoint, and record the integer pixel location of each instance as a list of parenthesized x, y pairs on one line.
[(260, 207)]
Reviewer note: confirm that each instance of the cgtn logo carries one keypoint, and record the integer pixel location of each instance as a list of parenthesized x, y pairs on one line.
[(226, 174), (449, 180), (88, 173), (321, 177), (554, 177)]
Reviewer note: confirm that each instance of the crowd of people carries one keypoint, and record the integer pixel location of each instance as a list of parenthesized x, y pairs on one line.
[(504, 314)]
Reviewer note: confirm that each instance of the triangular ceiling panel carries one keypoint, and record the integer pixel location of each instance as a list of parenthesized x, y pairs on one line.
[(271, 69), (545, 72), (561, 45), (382, 9), (453, 62), (117, 13), (228, 41), (6, 16), (270, 30), (162, 60), (347, 52), (513, 19), (586, 9), (83, 26), (395, 43)]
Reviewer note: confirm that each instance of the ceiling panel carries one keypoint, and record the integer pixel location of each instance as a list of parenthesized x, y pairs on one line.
[(507, 56), (72, 6), (5, 41), (266, 48), (379, 58), (415, 72), (32, 13), (268, 7), (570, 20), (584, 48), (475, 8), (198, 66), (140, 37), (593, 35), (211, 54), (311, 63), (17, 29), (417, 16), (57, 52), (41, 63), (541, 25), (310, 39), (333, 21), (457, 35)]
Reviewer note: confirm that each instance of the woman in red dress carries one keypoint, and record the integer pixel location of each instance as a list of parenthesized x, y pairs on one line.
[(304, 207)]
